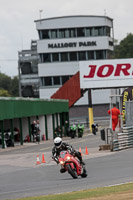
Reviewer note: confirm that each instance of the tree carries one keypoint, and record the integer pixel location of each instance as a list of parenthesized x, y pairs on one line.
[(5, 82), (4, 93), (8, 86), (15, 88), (125, 48)]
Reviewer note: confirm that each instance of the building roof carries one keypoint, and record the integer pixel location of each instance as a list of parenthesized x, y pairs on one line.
[(70, 16), (11, 108)]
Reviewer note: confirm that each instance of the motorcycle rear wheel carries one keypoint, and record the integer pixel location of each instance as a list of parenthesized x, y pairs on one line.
[(72, 172)]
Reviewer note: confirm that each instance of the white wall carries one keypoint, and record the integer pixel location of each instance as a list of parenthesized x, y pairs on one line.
[(73, 21), (101, 43), (56, 69), (42, 126), (50, 126)]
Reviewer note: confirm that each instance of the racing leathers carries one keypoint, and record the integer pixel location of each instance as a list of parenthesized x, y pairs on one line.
[(65, 147)]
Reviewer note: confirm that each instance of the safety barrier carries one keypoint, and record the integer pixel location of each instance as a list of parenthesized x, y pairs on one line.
[(124, 140)]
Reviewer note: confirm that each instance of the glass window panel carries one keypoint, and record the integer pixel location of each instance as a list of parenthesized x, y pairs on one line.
[(104, 30), (66, 34), (42, 81), (90, 55), (108, 31), (80, 32), (64, 79), (64, 57), (72, 33), (99, 54), (55, 57), (88, 32), (46, 57), (82, 55), (53, 34), (73, 56), (98, 31), (48, 81), (45, 34), (62, 33), (56, 80)]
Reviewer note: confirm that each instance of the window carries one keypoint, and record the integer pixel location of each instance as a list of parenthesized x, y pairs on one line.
[(62, 33), (53, 34), (56, 80), (108, 31), (98, 31), (72, 32), (45, 34), (64, 57), (73, 56), (46, 57), (64, 79), (90, 55), (88, 32), (80, 32), (100, 54), (48, 81), (82, 55), (42, 81), (55, 57)]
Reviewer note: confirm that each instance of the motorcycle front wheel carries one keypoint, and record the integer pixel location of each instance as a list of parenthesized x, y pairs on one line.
[(72, 172), (84, 174)]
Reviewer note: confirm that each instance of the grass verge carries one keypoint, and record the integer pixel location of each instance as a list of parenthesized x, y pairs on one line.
[(122, 192)]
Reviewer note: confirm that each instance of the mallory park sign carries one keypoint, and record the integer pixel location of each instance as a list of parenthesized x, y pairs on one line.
[(72, 44), (112, 73)]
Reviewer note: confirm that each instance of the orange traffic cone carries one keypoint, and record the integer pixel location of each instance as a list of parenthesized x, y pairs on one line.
[(86, 151), (43, 159), (80, 151), (38, 161)]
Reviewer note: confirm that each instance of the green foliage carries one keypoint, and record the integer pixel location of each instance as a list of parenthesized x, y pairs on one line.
[(4, 93), (15, 88), (8, 86), (125, 48)]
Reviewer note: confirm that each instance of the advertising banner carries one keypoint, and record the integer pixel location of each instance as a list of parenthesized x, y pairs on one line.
[(126, 96), (110, 73)]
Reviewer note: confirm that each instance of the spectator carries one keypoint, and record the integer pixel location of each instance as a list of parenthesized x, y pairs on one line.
[(34, 130)]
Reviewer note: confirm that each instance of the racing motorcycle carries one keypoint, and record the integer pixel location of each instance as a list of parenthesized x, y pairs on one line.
[(72, 165)]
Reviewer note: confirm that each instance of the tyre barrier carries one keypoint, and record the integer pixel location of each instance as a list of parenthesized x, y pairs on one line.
[(124, 139)]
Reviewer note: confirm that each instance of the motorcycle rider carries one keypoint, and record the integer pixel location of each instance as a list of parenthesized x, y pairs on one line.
[(59, 146)]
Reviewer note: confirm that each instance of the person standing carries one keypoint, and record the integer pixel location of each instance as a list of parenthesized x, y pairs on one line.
[(34, 130), (114, 112)]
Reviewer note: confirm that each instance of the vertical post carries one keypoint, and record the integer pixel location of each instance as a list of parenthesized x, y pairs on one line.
[(12, 132), (121, 121), (2, 131), (29, 126), (21, 131), (57, 123), (90, 109), (19, 79), (61, 124), (65, 124), (111, 112), (46, 127), (53, 125), (67, 121)]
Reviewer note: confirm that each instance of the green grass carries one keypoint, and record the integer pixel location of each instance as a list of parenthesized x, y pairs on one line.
[(98, 192)]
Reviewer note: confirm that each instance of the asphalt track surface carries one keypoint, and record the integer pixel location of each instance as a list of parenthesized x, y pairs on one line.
[(21, 177)]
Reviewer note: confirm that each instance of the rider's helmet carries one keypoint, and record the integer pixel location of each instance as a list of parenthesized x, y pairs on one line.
[(58, 142)]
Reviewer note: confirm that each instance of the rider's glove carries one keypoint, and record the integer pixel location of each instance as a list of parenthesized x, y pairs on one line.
[(56, 160)]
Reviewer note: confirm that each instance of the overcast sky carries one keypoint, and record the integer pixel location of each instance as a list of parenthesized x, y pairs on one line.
[(17, 26)]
